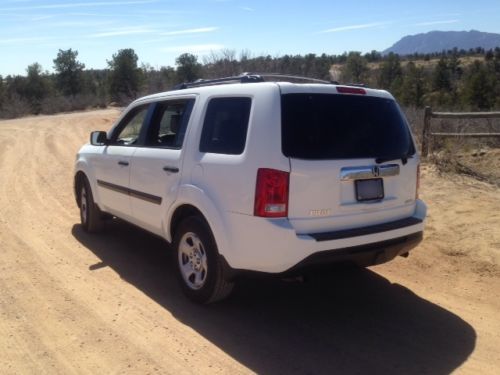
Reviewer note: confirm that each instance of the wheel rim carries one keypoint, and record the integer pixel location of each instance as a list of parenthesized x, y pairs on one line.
[(83, 205), (193, 261)]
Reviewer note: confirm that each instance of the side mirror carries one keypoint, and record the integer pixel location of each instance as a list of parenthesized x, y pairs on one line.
[(98, 138)]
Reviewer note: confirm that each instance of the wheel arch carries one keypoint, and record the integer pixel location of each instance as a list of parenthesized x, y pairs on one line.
[(192, 201), (182, 212), (77, 183), (84, 170)]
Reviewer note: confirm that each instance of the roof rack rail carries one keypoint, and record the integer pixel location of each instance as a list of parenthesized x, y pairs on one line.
[(242, 78), (289, 76), (247, 78), (356, 84)]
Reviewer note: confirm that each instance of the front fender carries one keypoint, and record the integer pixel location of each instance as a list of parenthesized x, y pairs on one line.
[(82, 165)]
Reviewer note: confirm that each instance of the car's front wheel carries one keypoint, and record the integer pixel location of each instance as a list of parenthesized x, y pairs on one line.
[(199, 269), (90, 215)]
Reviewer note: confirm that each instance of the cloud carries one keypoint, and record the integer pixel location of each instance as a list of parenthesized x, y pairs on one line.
[(22, 40), (122, 31), (82, 5), (190, 31), (354, 27), (248, 9), (436, 22), (74, 24), (193, 48), (44, 17)]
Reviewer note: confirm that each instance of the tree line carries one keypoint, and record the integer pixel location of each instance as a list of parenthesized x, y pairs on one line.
[(455, 79)]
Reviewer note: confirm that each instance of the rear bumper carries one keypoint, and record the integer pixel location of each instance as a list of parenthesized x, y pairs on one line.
[(363, 255), (273, 246)]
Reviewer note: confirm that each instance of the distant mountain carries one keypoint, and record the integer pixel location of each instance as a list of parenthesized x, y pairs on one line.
[(436, 41)]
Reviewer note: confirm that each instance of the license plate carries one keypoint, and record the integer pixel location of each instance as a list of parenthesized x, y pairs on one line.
[(369, 190)]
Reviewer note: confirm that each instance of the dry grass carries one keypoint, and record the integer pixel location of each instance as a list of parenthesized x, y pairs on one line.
[(431, 63), (482, 164), (476, 157)]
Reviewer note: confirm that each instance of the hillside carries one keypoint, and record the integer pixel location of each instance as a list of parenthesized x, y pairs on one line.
[(437, 41)]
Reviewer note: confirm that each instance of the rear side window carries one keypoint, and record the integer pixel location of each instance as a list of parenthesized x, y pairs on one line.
[(330, 126), (225, 126)]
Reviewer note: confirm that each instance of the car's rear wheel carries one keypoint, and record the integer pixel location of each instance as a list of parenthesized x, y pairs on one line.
[(90, 215), (199, 269)]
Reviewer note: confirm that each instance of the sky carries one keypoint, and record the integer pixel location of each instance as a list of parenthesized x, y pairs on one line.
[(161, 30)]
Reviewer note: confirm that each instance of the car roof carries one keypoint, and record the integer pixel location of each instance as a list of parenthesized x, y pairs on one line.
[(253, 88)]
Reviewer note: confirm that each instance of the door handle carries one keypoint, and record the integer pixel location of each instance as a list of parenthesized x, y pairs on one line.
[(171, 169), (124, 163)]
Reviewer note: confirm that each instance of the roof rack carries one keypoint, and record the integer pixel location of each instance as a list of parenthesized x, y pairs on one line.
[(242, 78), (356, 84), (290, 76), (247, 78)]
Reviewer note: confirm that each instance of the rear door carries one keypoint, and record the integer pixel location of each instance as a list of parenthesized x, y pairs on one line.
[(352, 160)]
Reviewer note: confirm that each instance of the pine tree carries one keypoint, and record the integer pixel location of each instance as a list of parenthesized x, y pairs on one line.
[(69, 72), (37, 86), (125, 75), (188, 68), (391, 75), (480, 87), (441, 79), (2, 91), (355, 69), (413, 87)]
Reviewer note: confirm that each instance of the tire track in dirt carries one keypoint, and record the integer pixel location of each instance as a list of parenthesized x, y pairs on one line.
[(48, 296), (73, 303)]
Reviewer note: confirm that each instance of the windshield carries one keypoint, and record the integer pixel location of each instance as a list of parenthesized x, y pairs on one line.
[(333, 126)]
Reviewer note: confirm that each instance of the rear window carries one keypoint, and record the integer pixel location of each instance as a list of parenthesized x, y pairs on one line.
[(225, 126), (329, 126)]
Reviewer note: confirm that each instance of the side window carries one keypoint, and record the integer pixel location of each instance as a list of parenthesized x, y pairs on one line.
[(225, 126), (169, 123), (131, 126)]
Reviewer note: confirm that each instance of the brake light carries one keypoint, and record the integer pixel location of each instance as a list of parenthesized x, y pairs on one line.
[(418, 182), (350, 90), (271, 193)]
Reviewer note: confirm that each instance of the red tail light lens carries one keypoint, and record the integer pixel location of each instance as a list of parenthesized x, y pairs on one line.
[(271, 193), (350, 90), (418, 181)]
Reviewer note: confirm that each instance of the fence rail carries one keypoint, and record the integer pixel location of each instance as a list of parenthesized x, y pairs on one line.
[(428, 115)]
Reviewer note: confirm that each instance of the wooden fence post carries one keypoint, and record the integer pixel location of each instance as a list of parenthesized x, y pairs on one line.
[(426, 131)]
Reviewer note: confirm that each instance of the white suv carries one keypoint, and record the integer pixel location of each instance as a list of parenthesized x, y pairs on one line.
[(242, 174)]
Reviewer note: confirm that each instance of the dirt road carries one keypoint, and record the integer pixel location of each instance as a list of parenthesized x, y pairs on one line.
[(71, 303)]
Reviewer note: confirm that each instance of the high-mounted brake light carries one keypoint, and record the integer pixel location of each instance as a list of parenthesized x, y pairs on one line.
[(350, 90), (271, 193)]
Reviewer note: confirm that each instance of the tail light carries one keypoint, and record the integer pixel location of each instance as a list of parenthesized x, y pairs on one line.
[(418, 182), (271, 193)]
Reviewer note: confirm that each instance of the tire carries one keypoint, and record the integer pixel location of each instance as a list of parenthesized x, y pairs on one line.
[(90, 215), (198, 266)]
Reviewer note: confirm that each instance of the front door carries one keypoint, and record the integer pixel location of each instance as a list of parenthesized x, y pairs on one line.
[(113, 167)]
